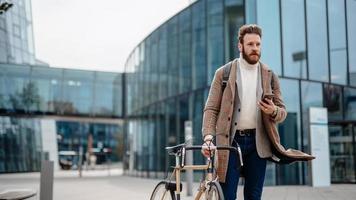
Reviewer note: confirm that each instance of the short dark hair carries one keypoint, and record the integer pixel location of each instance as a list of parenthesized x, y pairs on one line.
[(249, 28)]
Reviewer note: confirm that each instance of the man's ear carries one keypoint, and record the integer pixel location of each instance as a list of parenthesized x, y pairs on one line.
[(239, 45)]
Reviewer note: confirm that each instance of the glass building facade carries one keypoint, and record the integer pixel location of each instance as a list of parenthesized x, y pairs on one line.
[(309, 44), (44, 110), (81, 103), (16, 34)]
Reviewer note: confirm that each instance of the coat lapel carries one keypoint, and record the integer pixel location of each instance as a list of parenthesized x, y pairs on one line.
[(266, 75), (232, 77)]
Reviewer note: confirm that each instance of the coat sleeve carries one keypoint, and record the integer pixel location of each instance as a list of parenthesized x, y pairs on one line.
[(212, 105), (278, 101)]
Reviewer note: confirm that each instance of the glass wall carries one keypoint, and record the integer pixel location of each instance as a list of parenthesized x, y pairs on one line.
[(46, 86), (351, 39), (290, 131), (184, 59), (21, 145), (215, 36), (234, 18), (317, 40), (16, 34), (309, 44), (54, 91), (107, 139), (337, 41), (199, 45), (268, 17), (293, 37)]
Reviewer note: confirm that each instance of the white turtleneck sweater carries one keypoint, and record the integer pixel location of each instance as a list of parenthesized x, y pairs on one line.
[(247, 119)]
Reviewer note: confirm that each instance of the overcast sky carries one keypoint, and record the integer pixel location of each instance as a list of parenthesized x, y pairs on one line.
[(95, 34)]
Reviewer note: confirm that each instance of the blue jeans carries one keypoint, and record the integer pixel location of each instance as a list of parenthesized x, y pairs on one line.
[(254, 170)]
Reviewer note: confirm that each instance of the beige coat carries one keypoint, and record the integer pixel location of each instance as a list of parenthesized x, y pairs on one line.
[(219, 115)]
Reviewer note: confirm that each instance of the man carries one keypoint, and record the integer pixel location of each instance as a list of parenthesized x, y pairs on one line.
[(234, 115)]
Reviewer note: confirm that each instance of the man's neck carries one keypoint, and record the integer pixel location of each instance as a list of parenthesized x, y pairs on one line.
[(246, 64)]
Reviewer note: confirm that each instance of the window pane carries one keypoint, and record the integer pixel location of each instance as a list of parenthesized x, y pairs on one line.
[(107, 97), (317, 40), (154, 68), (199, 45), (234, 19), (16, 84), (290, 132), (47, 89), (294, 52), (21, 144), (337, 41), (351, 30), (184, 60), (333, 101), (268, 19), (312, 96), (350, 103), (215, 34), (78, 92), (162, 46), (172, 29)]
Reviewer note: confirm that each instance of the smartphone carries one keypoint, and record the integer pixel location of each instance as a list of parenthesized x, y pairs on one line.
[(268, 96)]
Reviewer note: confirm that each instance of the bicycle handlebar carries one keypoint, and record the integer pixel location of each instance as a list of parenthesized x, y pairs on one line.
[(178, 149)]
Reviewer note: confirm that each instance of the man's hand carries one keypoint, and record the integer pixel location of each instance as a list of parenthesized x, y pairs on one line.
[(267, 106), (205, 148)]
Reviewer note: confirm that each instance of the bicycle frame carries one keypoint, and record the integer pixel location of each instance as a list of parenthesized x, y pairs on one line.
[(209, 167)]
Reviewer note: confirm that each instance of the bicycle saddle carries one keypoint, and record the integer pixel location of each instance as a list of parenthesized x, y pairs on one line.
[(175, 149)]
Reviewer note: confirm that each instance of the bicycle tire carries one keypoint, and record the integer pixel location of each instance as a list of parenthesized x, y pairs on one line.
[(162, 193), (215, 192)]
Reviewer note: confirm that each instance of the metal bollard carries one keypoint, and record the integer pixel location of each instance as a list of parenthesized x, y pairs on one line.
[(46, 184)]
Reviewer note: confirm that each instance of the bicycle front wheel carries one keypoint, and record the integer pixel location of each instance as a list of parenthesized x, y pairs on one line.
[(161, 193), (213, 192)]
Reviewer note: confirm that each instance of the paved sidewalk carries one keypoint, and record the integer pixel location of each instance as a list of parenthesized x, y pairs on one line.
[(99, 185)]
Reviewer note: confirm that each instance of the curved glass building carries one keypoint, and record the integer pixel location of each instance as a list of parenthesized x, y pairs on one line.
[(311, 45)]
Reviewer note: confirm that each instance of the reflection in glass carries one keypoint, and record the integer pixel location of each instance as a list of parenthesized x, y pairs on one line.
[(312, 96), (350, 103), (47, 84), (317, 40), (199, 45), (215, 34), (268, 18), (234, 19), (107, 94), (21, 145), (185, 65), (333, 102), (172, 30), (337, 41), (342, 155), (16, 84), (351, 38), (290, 132), (293, 32), (162, 51), (77, 92), (154, 80)]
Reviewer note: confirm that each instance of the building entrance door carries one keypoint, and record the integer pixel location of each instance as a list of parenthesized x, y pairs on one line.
[(342, 152)]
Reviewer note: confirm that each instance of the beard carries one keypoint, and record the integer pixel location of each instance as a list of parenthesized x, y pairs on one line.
[(249, 58)]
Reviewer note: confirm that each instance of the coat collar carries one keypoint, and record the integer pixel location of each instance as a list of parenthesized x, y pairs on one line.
[(266, 75)]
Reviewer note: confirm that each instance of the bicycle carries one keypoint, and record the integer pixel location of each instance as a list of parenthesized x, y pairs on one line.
[(209, 187)]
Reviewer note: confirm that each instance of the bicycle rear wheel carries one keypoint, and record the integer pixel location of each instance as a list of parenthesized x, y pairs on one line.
[(162, 193), (214, 192)]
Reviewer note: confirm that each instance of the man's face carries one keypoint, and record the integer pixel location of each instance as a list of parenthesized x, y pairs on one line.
[(251, 48)]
